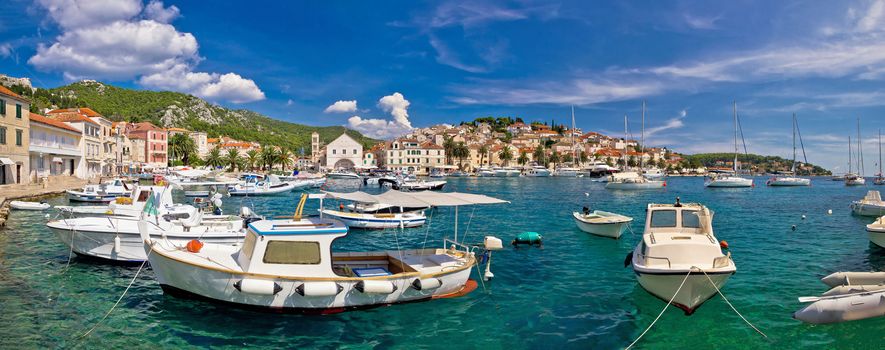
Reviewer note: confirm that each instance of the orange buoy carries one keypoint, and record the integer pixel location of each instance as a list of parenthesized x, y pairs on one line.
[(341, 206), (194, 246), (665, 184), (723, 244)]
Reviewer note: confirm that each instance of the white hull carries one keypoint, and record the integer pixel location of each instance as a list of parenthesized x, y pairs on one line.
[(612, 229), (729, 182), (696, 291), (218, 284), (867, 209), (97, 238), (342, 176), (507, 173), (21, 205), (789, 181), (538, 174), (842, 308), (75, 196), (855, 182), (379, 221), (260, 191), (485, 174), (644, 185), (878, 238)]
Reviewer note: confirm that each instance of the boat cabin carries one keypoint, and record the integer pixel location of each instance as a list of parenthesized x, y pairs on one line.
[(680, 234)]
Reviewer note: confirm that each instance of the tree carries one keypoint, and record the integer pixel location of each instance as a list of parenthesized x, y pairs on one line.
[(284, 158), (251, 159), (505, 155), (554, 158), (608, 161), (233, 160), (582, 157), (523, 158), (449, 148), (460, 151), (631, 161), (482, 154), (539, 155), (213, 159), (268, 157), (567, 158), (182, 147)]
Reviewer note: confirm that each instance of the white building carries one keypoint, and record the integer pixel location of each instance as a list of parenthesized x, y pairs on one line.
[(412, 156), (54, 147), (343, 153)]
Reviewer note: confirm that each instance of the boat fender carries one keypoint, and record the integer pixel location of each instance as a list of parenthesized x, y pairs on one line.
[(426, 283), (530, 238), (723, 244), (261, 287), (375, 287), (629, 258), (117, 244), (793, 228), (194, 246), (319, 289), (829, 211)]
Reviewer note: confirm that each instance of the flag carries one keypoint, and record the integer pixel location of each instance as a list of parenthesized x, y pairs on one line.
[(150, 207)]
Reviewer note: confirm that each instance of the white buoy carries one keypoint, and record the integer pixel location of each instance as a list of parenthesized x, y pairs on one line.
[(803, 216), (587, 194), (829, 211)]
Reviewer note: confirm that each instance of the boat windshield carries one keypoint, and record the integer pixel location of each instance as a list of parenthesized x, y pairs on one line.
[(663, 218), (690, 219)]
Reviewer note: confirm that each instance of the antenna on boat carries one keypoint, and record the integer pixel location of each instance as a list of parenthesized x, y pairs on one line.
[(300, 209)]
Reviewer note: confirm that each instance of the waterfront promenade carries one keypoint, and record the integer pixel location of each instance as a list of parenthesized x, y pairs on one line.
[(55, 185)]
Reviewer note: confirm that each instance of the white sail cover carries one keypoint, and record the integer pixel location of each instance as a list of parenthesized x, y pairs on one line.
[(418, 199)]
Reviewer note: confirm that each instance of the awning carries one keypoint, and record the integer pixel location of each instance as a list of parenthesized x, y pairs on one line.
[(418, 199), (6, 161), (56, 160)]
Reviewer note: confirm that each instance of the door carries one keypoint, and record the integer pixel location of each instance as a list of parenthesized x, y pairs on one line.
[(2, 174), (18, 173)]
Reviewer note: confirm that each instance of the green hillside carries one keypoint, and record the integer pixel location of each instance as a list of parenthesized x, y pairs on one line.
[(753, 162), (173, 109)]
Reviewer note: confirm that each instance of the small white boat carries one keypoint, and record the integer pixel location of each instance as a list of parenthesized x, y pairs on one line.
[(787, 180), (377, 220), (97, 193), (506, 172), (870, 205), (854, 180), (727, 180), (567, 172), (602, 223), (485, 172), (841, 308), (630, 180), (289, 265), (654, 174), (876, 232), (459, 174), (123, 206), (421, 185), (22, 205), (342, 175), (854, 278), (678, 245), (254, 187), (537, 171)]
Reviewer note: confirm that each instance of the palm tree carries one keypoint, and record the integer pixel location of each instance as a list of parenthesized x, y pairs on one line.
[(213, 159), (284, 158), (523, 158), (539, 155), (251, 159), (567, 158), (554, 158), (233, 159), (482, 154), (582, 157), (182, 147), (505, 155), (461, 151), (449, 147), (268, 157)]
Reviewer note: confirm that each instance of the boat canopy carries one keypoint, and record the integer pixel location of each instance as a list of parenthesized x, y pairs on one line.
[(417, 199)]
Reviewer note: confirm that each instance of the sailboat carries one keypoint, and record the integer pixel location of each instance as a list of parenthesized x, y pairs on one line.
[(789, 179), (632, 180), (879, 180), (851, 178), (726, 179), (565, 171)]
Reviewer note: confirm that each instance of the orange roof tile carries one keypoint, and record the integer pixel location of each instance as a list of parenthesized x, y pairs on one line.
[(177, 129), (212, 140), (83, 110), (72, 118), (7, 92), (51, 122)]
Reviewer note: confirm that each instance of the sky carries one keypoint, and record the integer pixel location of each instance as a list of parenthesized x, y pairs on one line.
[(385, 67)]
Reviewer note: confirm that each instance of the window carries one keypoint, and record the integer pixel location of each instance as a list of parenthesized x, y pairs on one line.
[(18, 111), (3, 107), (2, 135), (663, 218), (18, 137), (690, 219), (287, 252), (343, 151), (249, 245), (354, 151)]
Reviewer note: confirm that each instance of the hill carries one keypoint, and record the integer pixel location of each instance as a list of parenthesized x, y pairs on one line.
[(173, 109), (754, 162)]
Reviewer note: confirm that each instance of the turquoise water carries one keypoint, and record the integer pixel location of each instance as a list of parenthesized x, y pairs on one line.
[(573, 293)]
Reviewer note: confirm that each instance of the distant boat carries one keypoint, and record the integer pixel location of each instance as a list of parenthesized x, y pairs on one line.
[(537, 171), (726, 179), (789, 179), (632, 180), (602, 223), (879, 180), (851, 178)]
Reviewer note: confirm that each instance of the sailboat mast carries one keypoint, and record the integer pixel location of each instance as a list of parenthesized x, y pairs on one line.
[(625, 142), (849, 155), (734, 111), (793, 169), (572, 138), (880, 153), (642, 140), (859, 150)]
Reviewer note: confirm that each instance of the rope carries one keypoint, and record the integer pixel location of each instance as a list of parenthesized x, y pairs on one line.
[(121, 296), (662, 311), (732, 306), (469, 220), (427, 231)]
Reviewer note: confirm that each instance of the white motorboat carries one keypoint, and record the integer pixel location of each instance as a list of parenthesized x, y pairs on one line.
[(854, 180), (459, 173), (631, 180), (421, 185), (124, 206), (23, 205), (654, 174), (602, 223), (789, 178), (506, 172), (854, 296), (679, 258), (103, 193), (117, 238), (537, 171), (342, 175), (876, 232), (255, 187), (870, 205), (289, 265), (485, 172), (726, 180), (838, 178), (377, 220), (567, 172)]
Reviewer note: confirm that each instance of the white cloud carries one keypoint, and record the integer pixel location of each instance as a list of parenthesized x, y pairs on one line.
[(289, 102), (397, 106), (5, 50), (672, 123), (157, 12), (123, 40), (341, 107), (575, 92), (871, 20), (697, 22)]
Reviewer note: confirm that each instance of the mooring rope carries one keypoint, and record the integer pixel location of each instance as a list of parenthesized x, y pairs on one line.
[(732, 306), (427, 231), (662, 311)]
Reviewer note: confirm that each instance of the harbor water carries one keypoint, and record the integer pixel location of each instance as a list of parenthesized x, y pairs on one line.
[(574, 293)]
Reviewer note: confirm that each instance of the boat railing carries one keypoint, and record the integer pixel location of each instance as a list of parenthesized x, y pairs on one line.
[(722, 261), (647, 258), (452, 245)]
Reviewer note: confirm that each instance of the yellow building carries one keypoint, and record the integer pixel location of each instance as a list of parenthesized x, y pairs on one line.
[(14, 135)]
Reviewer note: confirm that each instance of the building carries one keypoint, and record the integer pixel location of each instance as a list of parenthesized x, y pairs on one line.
[(90, 140), (14, 134), (343, 153), (315, 147), (412, 156), (155, 143), (54, 147), (202, 141)]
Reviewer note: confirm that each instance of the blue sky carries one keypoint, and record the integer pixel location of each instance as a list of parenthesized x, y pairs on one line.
[(413, 64)]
